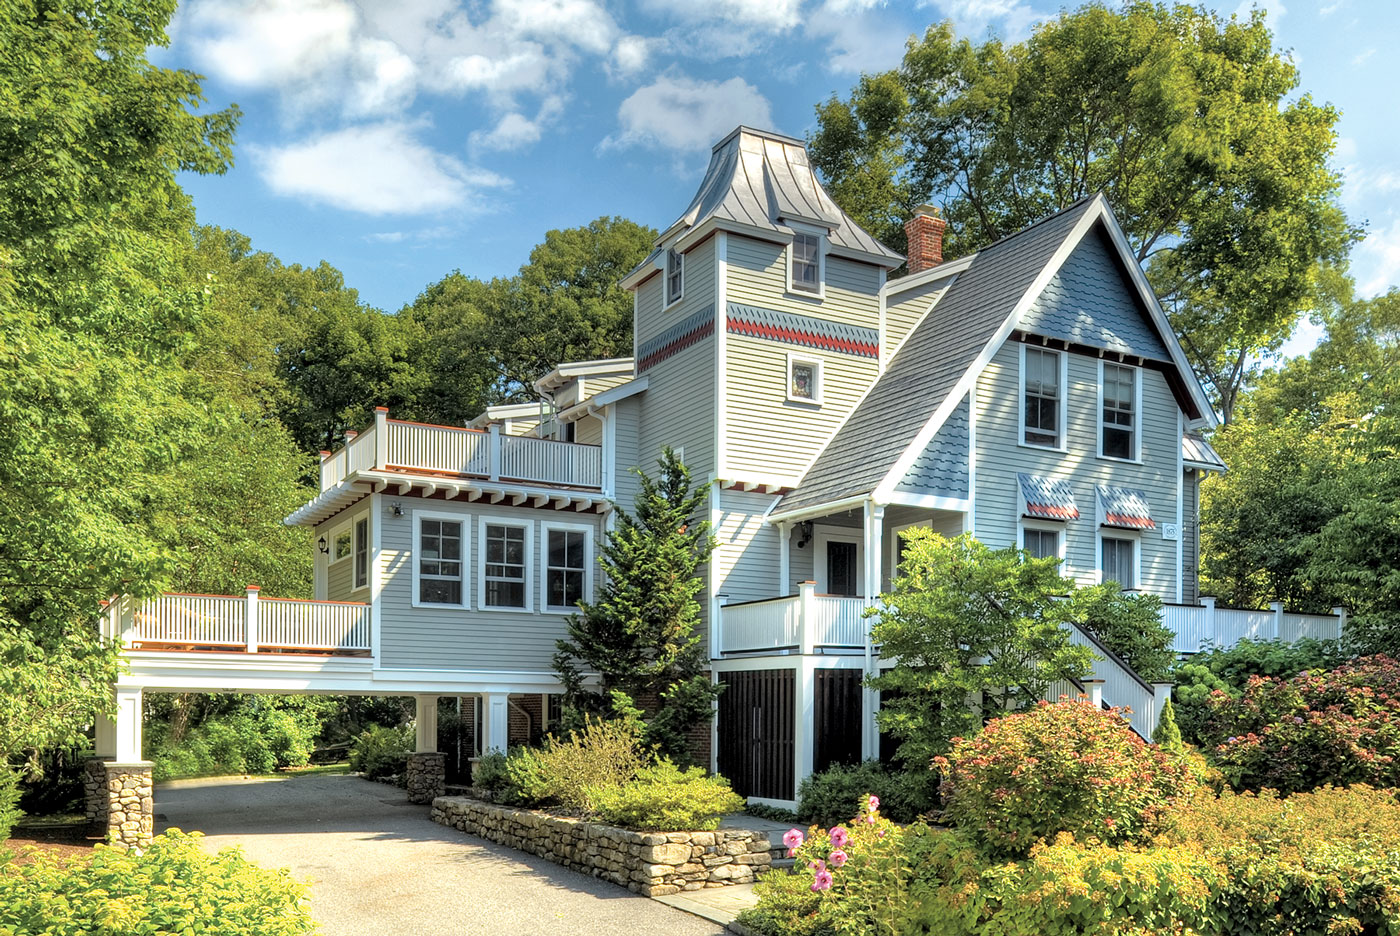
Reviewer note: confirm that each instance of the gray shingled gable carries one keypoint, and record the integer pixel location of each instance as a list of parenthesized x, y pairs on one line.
[(1089, 302), (930, 362), (941, 468)]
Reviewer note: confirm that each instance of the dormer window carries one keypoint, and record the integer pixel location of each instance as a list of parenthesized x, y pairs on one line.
[(806, 269), (675, 275)]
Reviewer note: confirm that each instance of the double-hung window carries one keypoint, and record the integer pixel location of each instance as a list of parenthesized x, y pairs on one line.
[(566, 571), (1117, 426), (440, 561), (362, 552), (675, 275), (1117, 561), (1041, 543), (806, 263), (1042, 396), (505, 566)]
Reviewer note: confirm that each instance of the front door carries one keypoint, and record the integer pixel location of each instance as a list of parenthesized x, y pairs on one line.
[(842, 568)]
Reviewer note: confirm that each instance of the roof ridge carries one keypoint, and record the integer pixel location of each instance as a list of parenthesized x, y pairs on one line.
[(765, 134), (1037, 223)]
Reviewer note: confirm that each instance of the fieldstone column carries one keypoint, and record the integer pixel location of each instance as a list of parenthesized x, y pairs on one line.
[(95, 794), (426, 776), (130, 803)]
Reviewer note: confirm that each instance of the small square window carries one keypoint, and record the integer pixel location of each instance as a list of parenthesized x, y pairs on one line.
[(806, 263), (341, 548), (804, 380)]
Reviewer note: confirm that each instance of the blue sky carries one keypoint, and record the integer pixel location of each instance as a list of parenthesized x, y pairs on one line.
[(402, 140)]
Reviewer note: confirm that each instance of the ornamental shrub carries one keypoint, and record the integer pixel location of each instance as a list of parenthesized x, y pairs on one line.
[(490, 773), (1063, 767), (666, 798), (173, 886), (1339, 727), (381, 752), (565, 771), (1167, 735), (835, 794)]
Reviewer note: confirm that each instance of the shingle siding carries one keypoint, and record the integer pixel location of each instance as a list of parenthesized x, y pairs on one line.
[(1000, 458), (1086, 303), (941, 469)]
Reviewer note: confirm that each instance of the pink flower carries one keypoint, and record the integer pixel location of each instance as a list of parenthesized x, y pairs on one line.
[(793, 839), (874, 802), (839, 837), (821, 880), (837, 858)]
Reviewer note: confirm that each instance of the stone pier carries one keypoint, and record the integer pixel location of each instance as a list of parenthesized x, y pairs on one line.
[(426, 776), (121, 801)]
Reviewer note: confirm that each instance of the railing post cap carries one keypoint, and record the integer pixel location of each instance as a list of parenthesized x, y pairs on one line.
[(351, 433), (381, 409), (325, 453), (253, 588), (1093, 682)]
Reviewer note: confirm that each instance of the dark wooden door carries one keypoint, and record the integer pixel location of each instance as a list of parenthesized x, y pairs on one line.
[(837, 718), (756, 721), (841, 572)]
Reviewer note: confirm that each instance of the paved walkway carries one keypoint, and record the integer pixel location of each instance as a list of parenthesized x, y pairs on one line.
[(378, 865)]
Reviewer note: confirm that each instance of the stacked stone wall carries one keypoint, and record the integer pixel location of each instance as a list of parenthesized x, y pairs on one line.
[(130, 804), (425, 776), (648, 863)]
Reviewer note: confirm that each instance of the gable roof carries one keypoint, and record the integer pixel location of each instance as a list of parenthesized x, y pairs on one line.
[(940, 360), (759, 182), (931, 361)]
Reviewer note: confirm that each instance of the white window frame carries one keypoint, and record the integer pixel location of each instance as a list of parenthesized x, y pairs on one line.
[(335, 533), (355, 583), (821, 535), (1061, 417), (820, 292), (1115, 533), (666, 278), (1060, 528), (465, 520), (485, 520), (819, 379), (548, 526), (1136, 458)]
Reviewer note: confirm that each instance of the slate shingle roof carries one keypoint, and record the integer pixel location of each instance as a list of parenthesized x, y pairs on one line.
[(1048, 498), (930, 362), (1125, 507)]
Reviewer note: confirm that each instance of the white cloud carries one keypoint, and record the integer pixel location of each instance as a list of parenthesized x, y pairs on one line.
[(858, 38), (632, 53), (378, 169), (686, 114), (1274, 10), (1376, 261), (1331, 8), (777, 15), (1360, 58), (1013, 19), (515, 131), (269, 42)]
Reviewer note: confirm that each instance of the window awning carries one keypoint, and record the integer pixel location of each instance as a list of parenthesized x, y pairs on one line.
[(1047, 498), (1124, 507)]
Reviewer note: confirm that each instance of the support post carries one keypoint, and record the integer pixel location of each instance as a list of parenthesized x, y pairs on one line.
[(252, 618), (806, 616), (1095, 689), (130, 796), (1341, 614), (1277, 608), (496, 722), (804, 720), (784, 557), (381, 437), (1208, 602), (494, 451), (874, 554), (1161, 692), (425, 774)]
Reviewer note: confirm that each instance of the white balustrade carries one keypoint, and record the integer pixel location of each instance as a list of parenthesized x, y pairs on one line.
[(438, 448), (760, 625), (837, 621), (1121, 686), (1198, 626), (525, 458), (221, 621)]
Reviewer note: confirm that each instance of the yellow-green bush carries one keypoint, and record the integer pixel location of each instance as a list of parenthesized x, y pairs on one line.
[(173, 887), (602, 754), (666, 798)]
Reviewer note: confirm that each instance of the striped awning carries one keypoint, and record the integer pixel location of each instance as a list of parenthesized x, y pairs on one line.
[(1047, 498), (1125, 507)]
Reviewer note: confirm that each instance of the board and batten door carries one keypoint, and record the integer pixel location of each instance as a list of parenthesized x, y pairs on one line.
[(756, 736)]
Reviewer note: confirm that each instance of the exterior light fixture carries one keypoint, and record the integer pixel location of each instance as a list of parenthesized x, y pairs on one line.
[(321, 545)]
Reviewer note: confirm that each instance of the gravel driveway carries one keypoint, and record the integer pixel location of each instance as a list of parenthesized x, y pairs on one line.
[(379, 866)]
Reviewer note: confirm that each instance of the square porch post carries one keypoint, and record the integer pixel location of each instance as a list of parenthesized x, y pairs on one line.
[(425, 774), (874, 577)]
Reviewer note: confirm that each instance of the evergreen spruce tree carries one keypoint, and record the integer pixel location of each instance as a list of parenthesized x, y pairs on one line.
[(642, 635), (1167, 735)]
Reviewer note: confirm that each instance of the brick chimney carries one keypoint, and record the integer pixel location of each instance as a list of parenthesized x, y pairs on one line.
[(925, 234)]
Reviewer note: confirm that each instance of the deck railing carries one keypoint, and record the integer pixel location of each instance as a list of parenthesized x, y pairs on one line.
[(801, 622), (1197, 626), (397, 445), (244, 623)]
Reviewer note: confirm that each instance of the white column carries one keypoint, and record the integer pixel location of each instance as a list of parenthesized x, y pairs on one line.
[(1161, 692), (426, 724), (806, 618), (104, 742), (1277, 608), (494, 452), (128, 726), (252, 619), (784, 557), (874, 554), (1095, 689), (381, 437), (1341, 614), (496, 722), (804, 721)]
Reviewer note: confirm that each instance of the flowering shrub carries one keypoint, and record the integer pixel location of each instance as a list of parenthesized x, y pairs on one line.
[(174, 886), (1066, 767), (1338, 727)]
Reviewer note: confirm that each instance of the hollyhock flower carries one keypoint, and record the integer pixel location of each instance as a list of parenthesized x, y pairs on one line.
[(839, 837), (821, 880), (793, 839), (874, 802), (837, 858)]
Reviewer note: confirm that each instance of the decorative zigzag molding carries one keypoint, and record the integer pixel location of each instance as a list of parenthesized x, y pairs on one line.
[(802, 330), (677, 338)]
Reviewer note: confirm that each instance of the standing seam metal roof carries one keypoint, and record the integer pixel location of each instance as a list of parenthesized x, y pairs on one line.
[(931, 361)]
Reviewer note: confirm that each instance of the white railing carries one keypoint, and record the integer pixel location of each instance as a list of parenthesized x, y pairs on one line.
[(800, 622), (1122, 688), (242, 623), (396, 445), (1198, 626)]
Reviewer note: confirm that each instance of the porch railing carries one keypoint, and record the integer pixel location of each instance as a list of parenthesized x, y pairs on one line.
[(245, 623), (1196, 626), (801, 622), (397, 445)]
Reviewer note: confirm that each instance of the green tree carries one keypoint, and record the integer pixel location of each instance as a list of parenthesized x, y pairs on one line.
[(976, 631), (1129, 625), (642, 634), (94, 311), (1190, 123)]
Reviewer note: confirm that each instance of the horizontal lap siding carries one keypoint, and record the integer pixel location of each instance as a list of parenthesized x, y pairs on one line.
[(340, 575), (766, 435), (748, 557), (801, 562), (589, 431), (628, 414), (433, 638), (999, 459)]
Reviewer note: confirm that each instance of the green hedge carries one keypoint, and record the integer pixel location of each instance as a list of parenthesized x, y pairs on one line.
[(834, 794), (665, 797), (173, 887)]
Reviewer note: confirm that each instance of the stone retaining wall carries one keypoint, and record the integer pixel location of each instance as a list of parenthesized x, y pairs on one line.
[(425, 775), (648, 863)]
